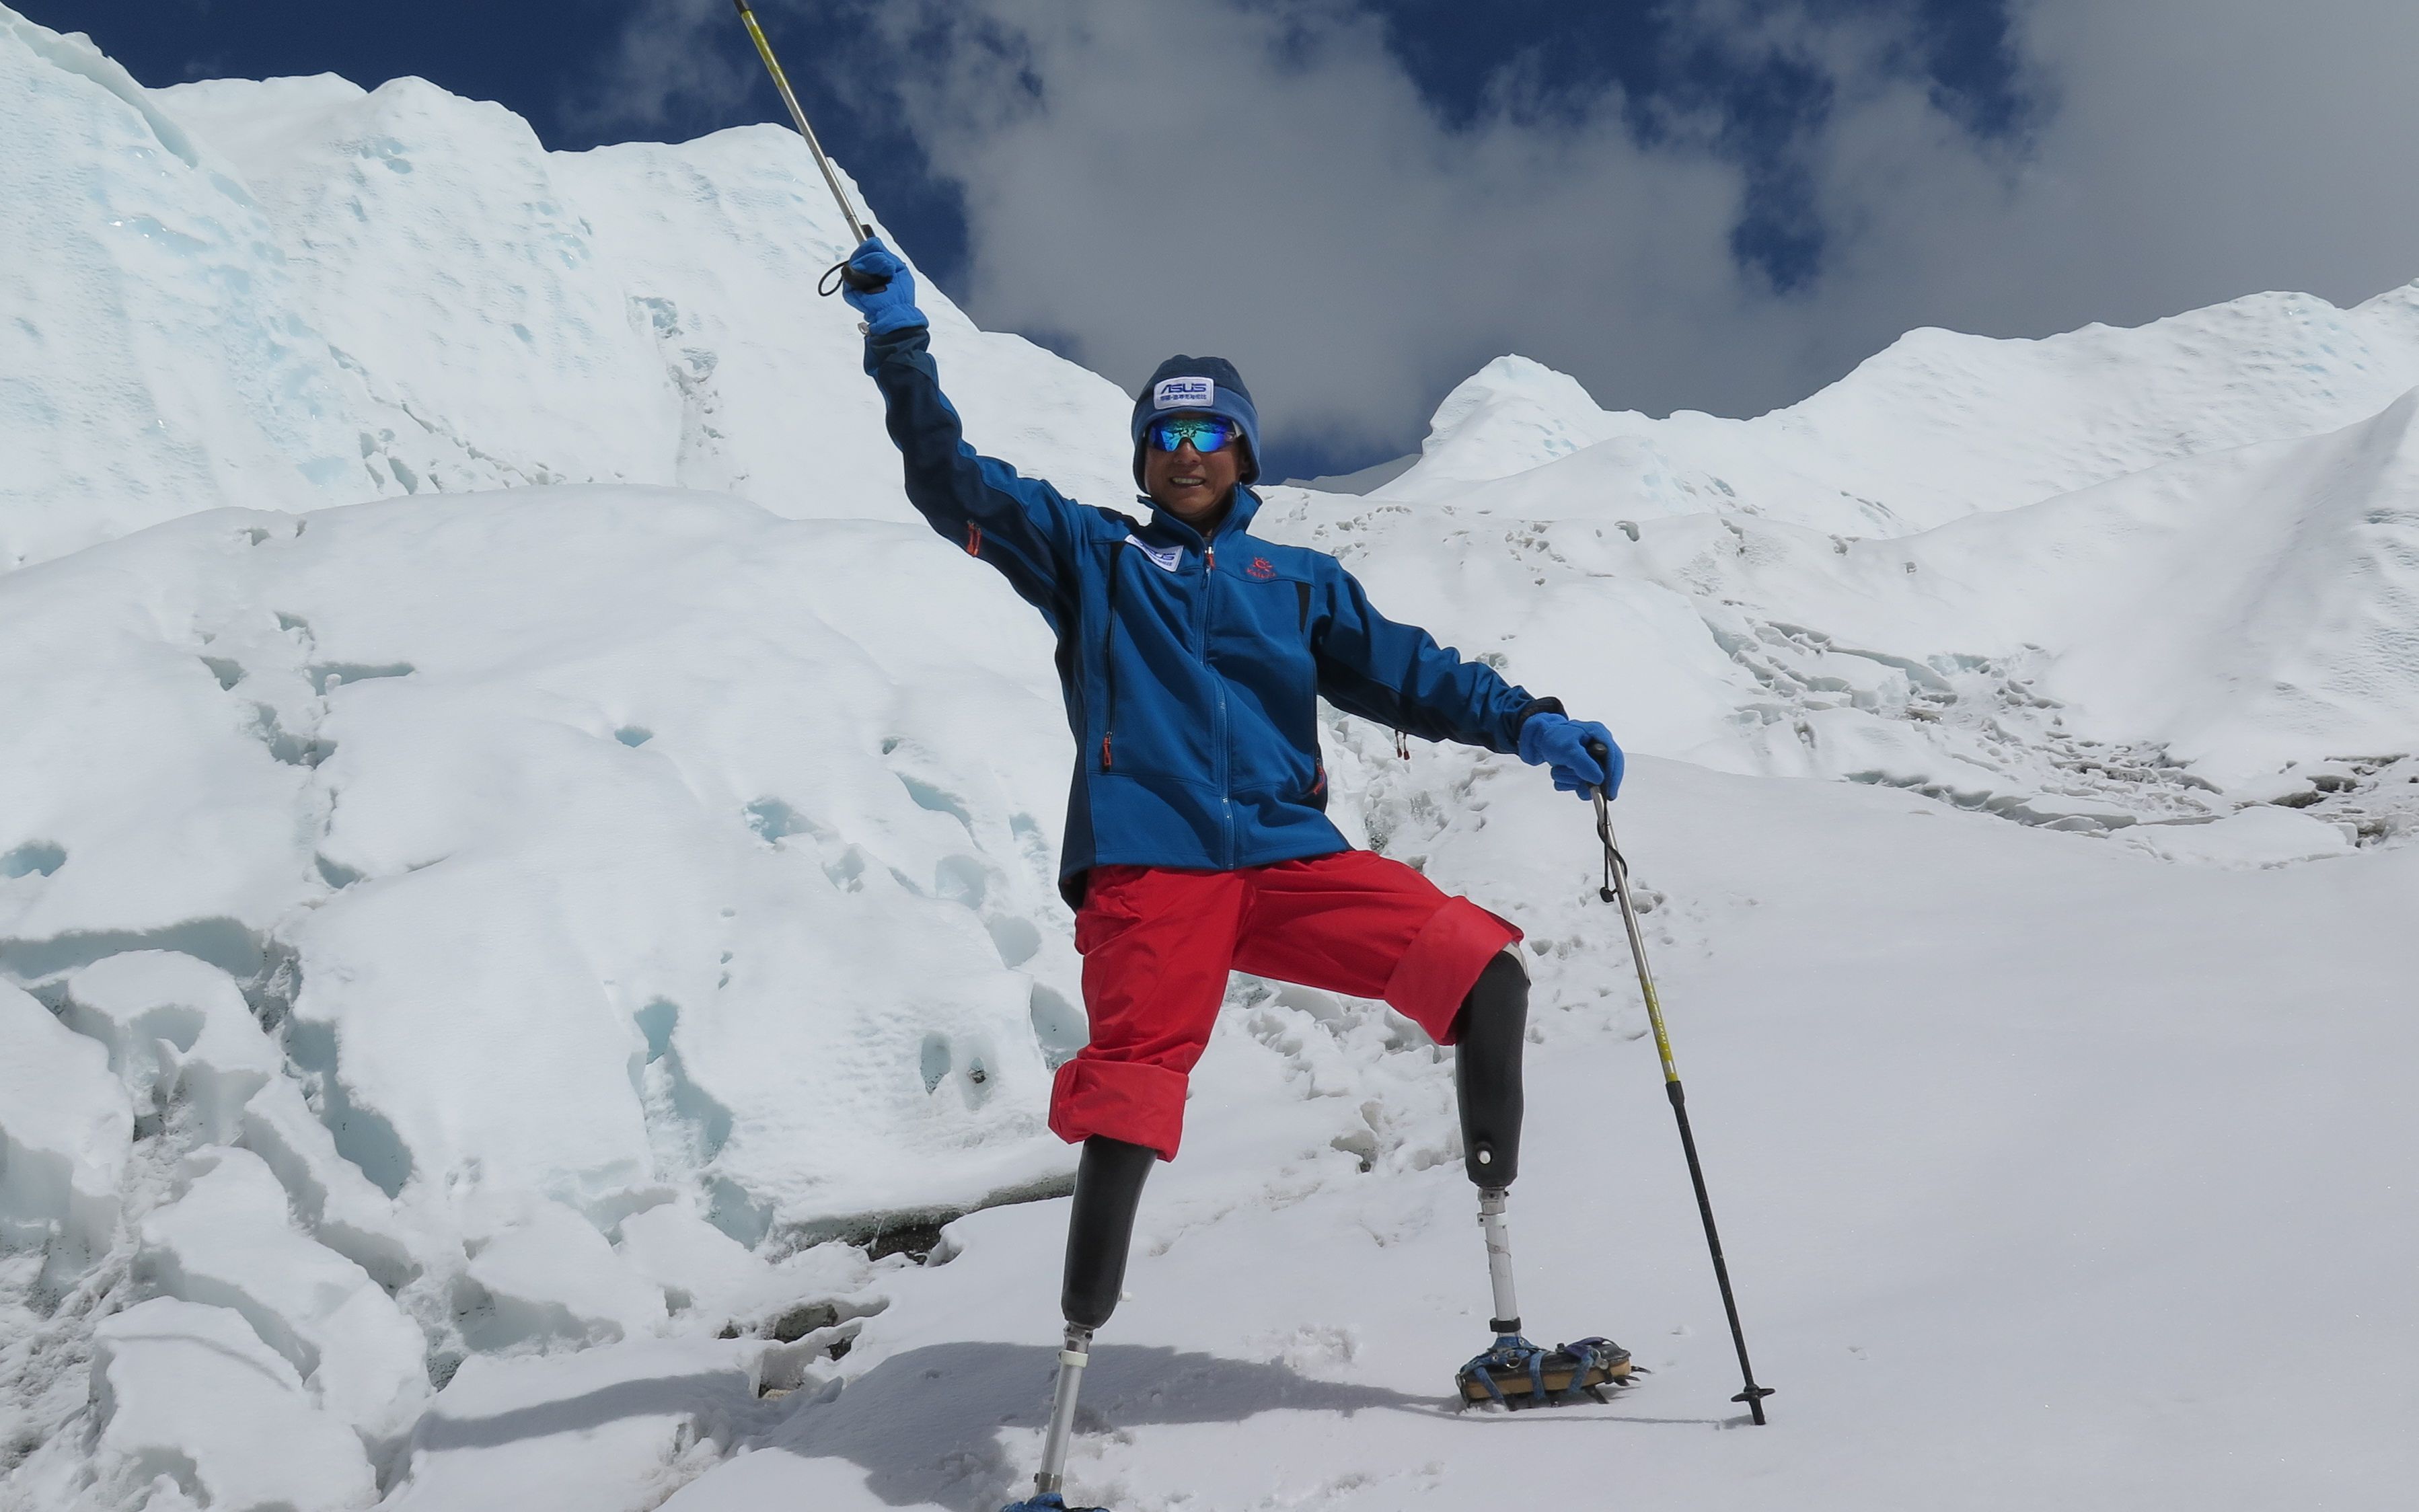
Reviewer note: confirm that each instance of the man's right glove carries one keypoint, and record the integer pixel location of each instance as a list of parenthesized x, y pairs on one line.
[(1552, 740), (891, 307)]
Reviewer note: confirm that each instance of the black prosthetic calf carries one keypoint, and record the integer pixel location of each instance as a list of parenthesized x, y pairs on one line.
[(1108, 1189), (1488, 1036)]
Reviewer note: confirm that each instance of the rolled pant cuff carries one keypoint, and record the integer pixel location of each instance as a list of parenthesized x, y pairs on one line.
[(1141, 1104), (1442, 964)]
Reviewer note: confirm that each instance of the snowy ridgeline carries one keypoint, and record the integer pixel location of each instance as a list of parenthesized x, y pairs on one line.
[(456, 932)]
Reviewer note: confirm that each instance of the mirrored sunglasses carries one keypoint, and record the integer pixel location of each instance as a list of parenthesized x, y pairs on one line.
[(1207, 433)]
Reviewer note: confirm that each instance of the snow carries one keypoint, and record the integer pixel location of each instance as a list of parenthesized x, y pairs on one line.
[(1938, 426), (375, 192), (224, 1242), (145, 296), (188, 1395), (2106, 657), (613, 1430), (2005, 1229), (293, 294), (178, 1033), (66, 1134), (2255, 836), (552, 1274), (2025, 1215), (531, 964)]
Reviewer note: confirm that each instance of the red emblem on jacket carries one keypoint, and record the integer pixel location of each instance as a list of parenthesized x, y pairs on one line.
[(1261, 567)]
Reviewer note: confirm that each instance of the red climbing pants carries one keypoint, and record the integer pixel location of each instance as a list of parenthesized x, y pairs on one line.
[(1158, 943)]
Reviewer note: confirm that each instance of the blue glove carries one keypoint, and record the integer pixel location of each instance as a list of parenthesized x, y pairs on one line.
[(891, 307), (1550, 739)]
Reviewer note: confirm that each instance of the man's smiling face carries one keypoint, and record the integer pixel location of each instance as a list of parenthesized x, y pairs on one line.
[(1190, 485)]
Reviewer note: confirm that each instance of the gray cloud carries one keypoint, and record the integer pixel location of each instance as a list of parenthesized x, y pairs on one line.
[(1142, 176), (2202, 149), (1270, 185), (671, 56)]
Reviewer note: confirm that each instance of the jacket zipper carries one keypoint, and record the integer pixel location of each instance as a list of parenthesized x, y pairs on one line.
[(1218, 685), (1109, 659)]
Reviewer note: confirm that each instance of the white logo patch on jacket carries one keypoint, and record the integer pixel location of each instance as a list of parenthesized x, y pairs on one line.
[(1184, 394), (1167, 557)]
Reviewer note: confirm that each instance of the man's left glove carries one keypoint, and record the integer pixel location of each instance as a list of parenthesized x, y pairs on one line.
[(891, 307), (1552, 740)]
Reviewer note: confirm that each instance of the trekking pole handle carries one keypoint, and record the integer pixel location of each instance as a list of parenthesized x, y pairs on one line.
[(1603, 754), (840, 273)]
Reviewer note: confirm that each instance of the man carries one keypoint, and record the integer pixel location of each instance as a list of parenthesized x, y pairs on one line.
[(1193, 655)]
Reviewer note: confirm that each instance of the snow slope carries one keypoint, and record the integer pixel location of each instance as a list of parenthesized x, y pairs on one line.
[(528, 965), (2166, 645), (295, 294), (2023, 1205), (1941, 425)]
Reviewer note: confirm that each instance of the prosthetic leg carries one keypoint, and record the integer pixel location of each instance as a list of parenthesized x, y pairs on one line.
[(1490, 1036), (1108, 1189)]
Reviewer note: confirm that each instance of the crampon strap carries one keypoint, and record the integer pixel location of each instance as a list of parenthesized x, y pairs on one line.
[(1513, 1351), (1510, 1351)]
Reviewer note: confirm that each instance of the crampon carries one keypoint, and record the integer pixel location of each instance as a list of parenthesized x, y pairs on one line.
[(1516, 1373)]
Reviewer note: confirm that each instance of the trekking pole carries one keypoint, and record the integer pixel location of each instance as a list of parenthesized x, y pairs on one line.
[(1616, 889), (841, 273)]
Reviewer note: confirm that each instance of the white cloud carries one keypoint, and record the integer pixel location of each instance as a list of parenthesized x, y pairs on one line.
[(670, 55), (1143, 177)]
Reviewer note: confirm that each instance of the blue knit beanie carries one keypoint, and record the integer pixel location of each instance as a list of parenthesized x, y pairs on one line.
[(1198, 385)]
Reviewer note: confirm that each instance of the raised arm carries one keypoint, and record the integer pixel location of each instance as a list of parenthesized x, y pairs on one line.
[(1022, 526)]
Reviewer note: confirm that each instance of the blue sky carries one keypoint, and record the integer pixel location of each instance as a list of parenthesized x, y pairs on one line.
[(1714, 204)]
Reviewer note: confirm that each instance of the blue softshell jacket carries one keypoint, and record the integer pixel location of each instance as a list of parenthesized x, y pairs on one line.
[(1192, 667)]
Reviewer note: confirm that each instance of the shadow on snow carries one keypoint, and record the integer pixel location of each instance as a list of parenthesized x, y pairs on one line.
[(925, 1427)]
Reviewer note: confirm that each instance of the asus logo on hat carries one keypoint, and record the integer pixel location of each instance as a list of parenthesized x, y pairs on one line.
[(1184, 394)]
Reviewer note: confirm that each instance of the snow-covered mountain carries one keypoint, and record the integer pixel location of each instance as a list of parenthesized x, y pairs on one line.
[(528, 965)]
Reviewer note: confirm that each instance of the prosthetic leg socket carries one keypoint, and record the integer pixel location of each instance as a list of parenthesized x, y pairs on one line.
[(1489, 1035), (1108, 1191)]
